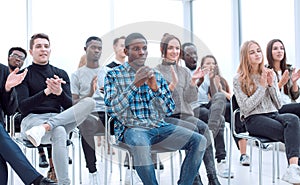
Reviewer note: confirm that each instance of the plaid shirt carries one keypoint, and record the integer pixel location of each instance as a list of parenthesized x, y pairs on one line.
[(132, 106)]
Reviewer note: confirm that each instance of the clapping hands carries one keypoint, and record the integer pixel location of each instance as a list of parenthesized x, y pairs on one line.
[(14, 79), (54, 85)]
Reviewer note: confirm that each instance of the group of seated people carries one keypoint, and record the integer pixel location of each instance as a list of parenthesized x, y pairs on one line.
[(174, 106)]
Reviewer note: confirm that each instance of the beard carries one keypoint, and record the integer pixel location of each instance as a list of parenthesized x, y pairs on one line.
[(191, 67), (11, 67)]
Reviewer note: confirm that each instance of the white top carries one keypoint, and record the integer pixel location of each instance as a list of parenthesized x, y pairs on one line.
[(81, 84)]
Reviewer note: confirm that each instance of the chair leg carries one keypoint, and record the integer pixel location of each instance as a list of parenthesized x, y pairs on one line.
[(33, 157), (230, 158), (73, 164), (172, 168), (11, 176), (105, 170), (273, 164), (277, 149), (260, 165), (251, 147), (79, 149), (157, 167), (131, 168), (105, 159), (226, 137), (120, 163), (111, 159), (180, 159)]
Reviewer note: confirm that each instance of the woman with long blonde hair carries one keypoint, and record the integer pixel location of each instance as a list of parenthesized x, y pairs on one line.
[(258, 97)]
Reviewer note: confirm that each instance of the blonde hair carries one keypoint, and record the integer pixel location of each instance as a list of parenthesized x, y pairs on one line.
[(245, 69)]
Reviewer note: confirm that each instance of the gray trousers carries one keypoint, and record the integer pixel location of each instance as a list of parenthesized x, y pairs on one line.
[(61, 125)]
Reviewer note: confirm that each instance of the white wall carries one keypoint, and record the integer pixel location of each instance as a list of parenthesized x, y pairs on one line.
[(69, 23)]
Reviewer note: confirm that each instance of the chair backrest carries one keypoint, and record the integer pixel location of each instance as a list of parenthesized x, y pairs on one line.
[(234, 104), (15, 123), (238, 126)]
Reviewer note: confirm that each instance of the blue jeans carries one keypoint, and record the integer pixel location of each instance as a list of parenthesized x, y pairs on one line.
[(170, 137), (195, 124), (11, 153)]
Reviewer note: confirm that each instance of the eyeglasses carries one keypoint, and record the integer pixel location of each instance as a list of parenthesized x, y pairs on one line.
[(16, 56)]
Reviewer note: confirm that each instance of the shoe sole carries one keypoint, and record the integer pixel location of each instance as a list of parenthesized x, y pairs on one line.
[(287, 180), (226, 177), (245, 164), (32, 140), (44, 166), (290, 182)]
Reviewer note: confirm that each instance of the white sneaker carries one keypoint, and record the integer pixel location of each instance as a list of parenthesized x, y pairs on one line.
[(35, 134), (94, 178), (292, 174), (135, 177), (223, 171)]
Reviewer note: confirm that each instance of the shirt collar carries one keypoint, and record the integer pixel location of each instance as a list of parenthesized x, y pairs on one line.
[(127, 67)]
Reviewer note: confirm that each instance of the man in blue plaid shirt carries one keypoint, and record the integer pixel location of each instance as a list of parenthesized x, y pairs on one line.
[(138, 98)]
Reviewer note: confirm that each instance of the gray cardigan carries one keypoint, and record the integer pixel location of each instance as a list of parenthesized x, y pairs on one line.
[(264, 99), (184, 93)]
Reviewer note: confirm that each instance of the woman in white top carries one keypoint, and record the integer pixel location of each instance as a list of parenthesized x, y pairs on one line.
[(287, 77)]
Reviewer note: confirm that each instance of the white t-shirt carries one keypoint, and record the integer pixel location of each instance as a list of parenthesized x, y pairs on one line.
[(81, 84)]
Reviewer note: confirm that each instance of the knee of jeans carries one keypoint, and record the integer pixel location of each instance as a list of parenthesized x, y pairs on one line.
[(89, 126), (89, 103), (294, 121), (200, 139), (202, 127), (134, 138), (219, 96), (59, 134)]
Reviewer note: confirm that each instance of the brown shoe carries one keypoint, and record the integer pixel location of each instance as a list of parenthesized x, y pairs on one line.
[(51, 174)]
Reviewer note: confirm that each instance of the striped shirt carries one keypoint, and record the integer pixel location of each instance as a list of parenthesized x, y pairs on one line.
[(132, 106)]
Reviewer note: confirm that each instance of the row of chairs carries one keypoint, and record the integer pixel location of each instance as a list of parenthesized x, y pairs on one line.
[(120, 147), (124, 148), (235, 119)]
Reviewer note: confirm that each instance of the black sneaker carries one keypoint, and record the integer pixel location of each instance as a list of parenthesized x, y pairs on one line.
[(46, 181), (43, 162), (213, 180), (161, 166), (197, 180), (265, 146), (70, 160), (245, 160)]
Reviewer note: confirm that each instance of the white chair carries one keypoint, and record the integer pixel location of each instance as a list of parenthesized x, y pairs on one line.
[(27, 144), (123, 147), (235, 119)]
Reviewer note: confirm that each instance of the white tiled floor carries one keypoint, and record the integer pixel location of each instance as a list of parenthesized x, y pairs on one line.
[(242, 174)]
